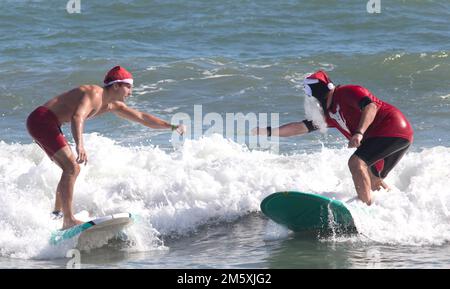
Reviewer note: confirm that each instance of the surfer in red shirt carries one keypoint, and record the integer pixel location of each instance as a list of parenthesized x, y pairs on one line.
[(75, 107), (379, 131)]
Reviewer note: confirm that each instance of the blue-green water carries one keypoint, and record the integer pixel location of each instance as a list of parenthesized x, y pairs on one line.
[(229, 57)]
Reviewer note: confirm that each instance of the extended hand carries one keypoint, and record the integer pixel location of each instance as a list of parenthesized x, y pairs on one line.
[(82, 156), (181, 129), (355, 141)]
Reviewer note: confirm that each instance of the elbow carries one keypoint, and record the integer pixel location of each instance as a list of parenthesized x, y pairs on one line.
[(372, 107), (76, 118)]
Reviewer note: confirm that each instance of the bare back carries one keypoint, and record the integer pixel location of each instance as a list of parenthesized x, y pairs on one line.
[(65, 105)]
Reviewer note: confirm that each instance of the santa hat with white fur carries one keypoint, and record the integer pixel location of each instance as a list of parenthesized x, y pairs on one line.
[(118, 74), (319, 77)]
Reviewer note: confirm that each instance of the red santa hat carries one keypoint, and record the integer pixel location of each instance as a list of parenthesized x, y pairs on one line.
[(118, 74), (319, 77)]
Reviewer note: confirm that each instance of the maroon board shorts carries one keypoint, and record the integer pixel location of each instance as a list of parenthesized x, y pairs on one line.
[(44, 127)]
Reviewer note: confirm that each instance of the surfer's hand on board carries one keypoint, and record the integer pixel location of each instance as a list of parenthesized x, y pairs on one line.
[(82, 156)]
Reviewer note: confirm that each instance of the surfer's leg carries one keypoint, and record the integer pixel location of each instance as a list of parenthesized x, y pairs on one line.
[(392, 160), (361, 178), (380, 155), (58, 201), (44, 127), (65, 158)]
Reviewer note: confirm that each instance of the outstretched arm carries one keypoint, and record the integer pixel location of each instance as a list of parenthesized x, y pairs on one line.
[(286, 130), (122, 110), (77, 126), (368, 115)]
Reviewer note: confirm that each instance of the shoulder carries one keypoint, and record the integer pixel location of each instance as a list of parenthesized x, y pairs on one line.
[(93, 92), (352, 89), (352, 94), (117, 106)]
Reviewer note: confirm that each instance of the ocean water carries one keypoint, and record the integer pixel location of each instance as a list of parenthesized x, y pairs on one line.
[(198, 197)]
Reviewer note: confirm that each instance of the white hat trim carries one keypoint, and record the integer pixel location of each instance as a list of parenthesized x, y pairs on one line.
[(126, 80), (311, 81)]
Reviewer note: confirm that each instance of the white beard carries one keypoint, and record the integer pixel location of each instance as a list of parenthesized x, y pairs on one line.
[(314, 112)]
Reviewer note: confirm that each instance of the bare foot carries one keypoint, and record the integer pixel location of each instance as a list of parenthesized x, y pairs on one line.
[(376, 186), (376, 183), (385, 186), (379, 184), (71, 223)]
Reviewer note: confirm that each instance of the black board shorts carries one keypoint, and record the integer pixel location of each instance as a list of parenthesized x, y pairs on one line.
[(388, 149)]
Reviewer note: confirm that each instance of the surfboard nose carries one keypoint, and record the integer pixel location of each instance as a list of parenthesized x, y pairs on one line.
[(304, 212)]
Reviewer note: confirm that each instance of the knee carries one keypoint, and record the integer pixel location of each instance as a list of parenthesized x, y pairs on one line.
[(356, 164), (72, 169)]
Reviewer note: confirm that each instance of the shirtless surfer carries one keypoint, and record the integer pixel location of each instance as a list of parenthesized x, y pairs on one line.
[(75, 107)]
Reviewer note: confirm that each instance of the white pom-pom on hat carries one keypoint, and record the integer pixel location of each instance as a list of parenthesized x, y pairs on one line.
[(319, 76)]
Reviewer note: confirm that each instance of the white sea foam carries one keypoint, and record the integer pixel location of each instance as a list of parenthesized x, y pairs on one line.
[(208, 181)]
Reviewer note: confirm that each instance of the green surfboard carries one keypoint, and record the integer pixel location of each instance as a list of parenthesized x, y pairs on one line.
[(303, 212)]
